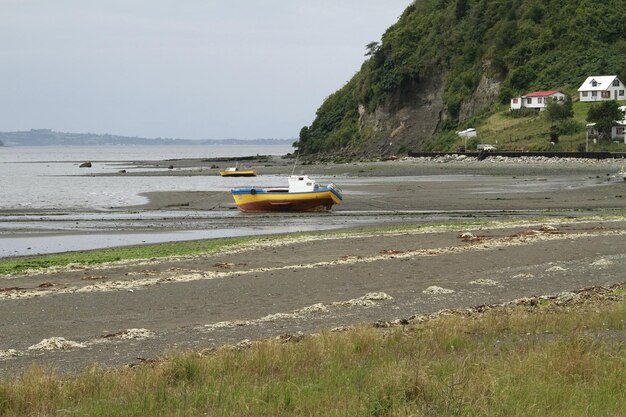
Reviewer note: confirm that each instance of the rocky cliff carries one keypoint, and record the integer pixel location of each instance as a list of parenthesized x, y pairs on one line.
[(446, 62)]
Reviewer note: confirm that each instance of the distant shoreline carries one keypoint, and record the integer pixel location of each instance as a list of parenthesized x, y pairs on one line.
[(46, 137)]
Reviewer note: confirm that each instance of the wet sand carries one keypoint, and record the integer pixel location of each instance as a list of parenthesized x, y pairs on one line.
[(122, 314)]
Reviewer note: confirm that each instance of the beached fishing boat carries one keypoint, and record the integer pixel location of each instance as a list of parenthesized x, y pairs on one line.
[(302, 194), (236, 172)]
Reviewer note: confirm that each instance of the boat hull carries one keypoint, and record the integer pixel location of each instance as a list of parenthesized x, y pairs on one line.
[(238, 173), (263, 200)]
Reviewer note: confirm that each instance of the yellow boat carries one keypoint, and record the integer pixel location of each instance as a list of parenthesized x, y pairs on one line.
[(303, 194), (236, 172)]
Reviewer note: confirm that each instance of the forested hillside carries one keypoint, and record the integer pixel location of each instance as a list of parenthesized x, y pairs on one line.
[(446, 62)]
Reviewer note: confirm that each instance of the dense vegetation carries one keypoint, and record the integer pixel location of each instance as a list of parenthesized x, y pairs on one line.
[(526, 44)]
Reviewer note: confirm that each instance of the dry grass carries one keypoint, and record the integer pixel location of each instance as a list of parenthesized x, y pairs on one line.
[(541, 358)]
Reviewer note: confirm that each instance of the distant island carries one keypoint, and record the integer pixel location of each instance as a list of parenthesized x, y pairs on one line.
[(47, 137)]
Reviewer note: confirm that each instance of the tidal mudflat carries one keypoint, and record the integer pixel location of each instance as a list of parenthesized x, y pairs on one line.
[(481, 233)]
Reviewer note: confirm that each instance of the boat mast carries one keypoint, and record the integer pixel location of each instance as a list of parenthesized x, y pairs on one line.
[(295, 162)]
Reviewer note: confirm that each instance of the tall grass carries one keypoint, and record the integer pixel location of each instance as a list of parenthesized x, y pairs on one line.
[(546, 360)]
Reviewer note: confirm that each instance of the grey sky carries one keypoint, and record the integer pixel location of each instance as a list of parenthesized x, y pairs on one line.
[(180, 69)]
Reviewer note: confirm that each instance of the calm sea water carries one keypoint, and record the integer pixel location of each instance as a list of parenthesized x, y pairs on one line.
[(49, 177)]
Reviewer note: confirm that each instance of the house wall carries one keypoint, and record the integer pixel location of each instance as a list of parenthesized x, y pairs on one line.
[(618, 132), (612, 92), (534, 102), (540, 102)]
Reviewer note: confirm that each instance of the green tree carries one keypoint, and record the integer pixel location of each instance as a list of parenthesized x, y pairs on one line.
[(461, 9), (557, 111), (604, 116), (554, 134), (372, 48)]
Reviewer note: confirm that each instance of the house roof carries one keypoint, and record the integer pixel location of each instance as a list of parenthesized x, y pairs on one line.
[(603, 82), (542, 93)]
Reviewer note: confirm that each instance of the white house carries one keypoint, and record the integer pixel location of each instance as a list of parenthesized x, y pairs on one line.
[(467, 133), (537, 100), (618, 131), (599, 88)]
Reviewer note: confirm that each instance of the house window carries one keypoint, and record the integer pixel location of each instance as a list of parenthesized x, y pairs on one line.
[(515, 100), (539, 100), (529, 100), (616, 83), (594, 83), (594, 94), (621, 93), (606, 94), (619, 130), (584, 94)]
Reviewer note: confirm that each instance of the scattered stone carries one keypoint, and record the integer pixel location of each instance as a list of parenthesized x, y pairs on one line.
[(225, 265), (56, 343), (144, 361), (368, 300), (393, 323), (340, 329), (529, 232), (315, 308), (486, 282), (276, 317), (137, 334), (391, 252), (290, 338), (556, 268), (244, 344), (85, 165), (435, 290), (566, 297), (10, 289), (602, 263), (10, 353), (547, 228)]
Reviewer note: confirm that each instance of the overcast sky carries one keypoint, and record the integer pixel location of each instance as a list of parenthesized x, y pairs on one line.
[(196, 69)]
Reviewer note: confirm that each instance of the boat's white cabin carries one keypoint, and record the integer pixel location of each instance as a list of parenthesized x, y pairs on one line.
[(301, 184)]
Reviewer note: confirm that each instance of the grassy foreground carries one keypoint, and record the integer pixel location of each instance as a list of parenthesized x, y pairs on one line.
[(539, 357)]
